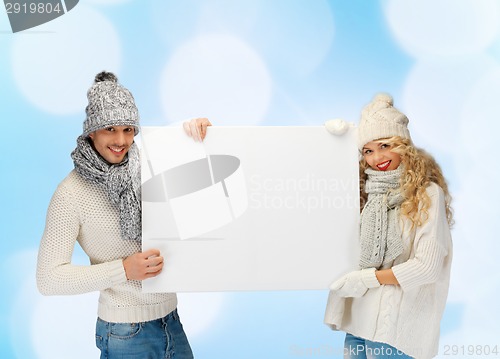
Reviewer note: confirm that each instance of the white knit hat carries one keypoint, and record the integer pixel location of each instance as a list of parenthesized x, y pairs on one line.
[(379, 119)]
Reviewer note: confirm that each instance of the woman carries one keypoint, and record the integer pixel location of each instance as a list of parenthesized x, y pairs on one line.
[(392, 305)]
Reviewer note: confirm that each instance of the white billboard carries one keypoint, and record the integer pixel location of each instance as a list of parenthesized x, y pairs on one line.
[(250, 208)]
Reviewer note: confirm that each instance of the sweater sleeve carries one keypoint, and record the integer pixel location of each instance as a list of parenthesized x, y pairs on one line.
[(56, 275), (432, 245)]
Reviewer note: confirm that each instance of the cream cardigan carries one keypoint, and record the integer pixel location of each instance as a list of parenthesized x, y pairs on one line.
[(81, 212), (406, 316)]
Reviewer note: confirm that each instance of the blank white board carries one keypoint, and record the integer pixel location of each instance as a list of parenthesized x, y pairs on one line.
[(250, 208)]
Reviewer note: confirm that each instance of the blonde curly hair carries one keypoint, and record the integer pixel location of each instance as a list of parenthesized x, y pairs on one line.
[(420, 169)]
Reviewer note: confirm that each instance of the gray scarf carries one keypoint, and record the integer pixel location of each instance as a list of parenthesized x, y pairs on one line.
[(380, 234), (120, 181)]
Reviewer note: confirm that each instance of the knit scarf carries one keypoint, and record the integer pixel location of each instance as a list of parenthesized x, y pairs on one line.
[(121, 182), (380, 234)]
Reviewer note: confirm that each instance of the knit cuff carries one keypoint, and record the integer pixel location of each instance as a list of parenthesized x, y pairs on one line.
[(369, 278), (117, 272)]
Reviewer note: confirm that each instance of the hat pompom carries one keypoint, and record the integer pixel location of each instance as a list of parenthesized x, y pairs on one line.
[(384, 97), (105, 76)]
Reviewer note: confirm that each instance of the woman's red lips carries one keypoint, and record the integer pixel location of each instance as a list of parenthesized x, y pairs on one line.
[(384, 165)]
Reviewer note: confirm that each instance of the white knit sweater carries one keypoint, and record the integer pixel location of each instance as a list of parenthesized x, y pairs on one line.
[(406, 316), (81, 211)]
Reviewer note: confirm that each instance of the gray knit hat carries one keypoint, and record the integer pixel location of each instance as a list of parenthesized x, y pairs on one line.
[(379, 119), (110, 104)]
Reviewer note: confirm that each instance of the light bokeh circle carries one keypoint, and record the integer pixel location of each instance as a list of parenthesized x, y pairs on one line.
[(199, 312), (443, 28), (479, 119), (22, 298), (433, 96), (54, 68), (71, 333), (476, 215), (294, 35), (219, 77), (480, 320), (237, 18), (48, 327)]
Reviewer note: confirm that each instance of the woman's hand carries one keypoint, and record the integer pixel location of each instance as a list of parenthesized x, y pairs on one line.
[(197, 128), (143, 265), (355, 284)]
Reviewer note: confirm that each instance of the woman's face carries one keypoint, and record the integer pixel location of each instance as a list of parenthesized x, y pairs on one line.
[(379, 156)]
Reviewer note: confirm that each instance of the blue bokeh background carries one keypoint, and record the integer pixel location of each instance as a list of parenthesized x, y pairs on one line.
[(251, 62)]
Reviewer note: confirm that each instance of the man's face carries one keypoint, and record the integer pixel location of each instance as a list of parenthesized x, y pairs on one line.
[(113, 142)]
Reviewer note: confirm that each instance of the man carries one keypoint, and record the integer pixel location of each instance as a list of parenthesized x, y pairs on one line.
[(98, 205)]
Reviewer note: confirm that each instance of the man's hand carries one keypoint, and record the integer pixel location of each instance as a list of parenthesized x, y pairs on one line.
[(143, 265), (197, 128)]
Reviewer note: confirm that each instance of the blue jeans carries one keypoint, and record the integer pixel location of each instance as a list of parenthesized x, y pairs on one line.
[(359, 348), (157, 339)]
